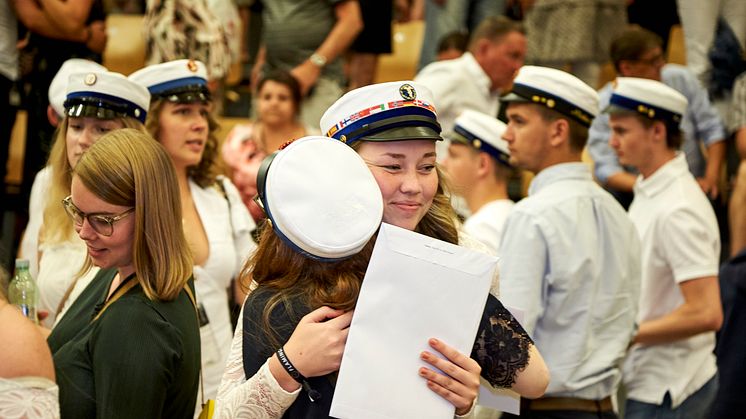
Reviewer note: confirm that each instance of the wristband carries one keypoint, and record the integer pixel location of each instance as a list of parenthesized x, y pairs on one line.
[(313, 395)]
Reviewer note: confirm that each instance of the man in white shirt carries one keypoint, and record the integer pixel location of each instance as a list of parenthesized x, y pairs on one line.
[(475, 80), (478, 166), (570, 256), (670, 368)]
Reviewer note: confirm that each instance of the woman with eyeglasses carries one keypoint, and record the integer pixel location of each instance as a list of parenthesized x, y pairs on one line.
[(129, 345), (216, 223), (97, 103)]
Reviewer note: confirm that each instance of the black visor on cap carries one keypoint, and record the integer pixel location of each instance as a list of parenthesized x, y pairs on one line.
[(399, 128), (82, 107), (185, 94)]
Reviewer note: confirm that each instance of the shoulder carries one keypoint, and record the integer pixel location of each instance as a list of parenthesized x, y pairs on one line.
[(22, 347), (468, 241)]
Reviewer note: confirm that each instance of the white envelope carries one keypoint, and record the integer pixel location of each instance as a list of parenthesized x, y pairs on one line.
[(415, 288)]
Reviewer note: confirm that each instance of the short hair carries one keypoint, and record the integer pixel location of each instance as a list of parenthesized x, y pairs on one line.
[(57, 225), (578, 135), (286, 79), (458, 40), (673, 132), (632, 44), (494, 28), (126, 167), (206, 171)]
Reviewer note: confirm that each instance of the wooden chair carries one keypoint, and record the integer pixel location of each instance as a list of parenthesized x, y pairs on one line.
[(401, 64), (125, 47)]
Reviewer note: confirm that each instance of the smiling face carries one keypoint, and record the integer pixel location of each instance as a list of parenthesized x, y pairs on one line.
[(81, 133), (405, 173), (114, 251), (183, 130)]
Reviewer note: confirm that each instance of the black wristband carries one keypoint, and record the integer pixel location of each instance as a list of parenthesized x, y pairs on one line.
[(313, 395)]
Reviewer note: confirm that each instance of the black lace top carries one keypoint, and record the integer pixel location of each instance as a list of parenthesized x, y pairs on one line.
[(501, 347)]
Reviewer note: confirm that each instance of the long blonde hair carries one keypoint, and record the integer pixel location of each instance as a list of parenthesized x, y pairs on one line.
[(57, 227), (126, 167), (205, 172)]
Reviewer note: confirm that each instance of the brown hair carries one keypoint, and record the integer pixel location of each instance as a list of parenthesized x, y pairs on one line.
[(57, 227), (632, 44), (494, 28), (673, 132), (286, 79), (126, 167), (206, 171), (578, 135)]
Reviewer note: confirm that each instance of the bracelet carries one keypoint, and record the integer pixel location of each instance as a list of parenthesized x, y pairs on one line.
[(313, 394)]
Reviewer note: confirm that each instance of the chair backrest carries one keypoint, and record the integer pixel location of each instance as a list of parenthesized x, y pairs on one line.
[(401, 64), (125, 46)]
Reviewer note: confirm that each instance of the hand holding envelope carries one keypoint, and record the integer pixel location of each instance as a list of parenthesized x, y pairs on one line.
[(415, 288)]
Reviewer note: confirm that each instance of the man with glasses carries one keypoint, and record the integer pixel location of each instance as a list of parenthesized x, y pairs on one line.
[(639, 53)]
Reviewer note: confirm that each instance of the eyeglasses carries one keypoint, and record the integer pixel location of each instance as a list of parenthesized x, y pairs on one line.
[(654, 60), (101, 224)]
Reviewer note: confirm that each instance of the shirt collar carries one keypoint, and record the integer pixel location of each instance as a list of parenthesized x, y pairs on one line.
[(559, 172), (476, 72), (662, 177)]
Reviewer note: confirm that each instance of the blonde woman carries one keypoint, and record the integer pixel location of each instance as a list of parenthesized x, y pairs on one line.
[(129, 345), (216, 223), (97, 102)]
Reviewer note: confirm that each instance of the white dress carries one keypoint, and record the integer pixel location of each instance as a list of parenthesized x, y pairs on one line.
[(59, 263), (29, 398), (228, 229), (260, 396)]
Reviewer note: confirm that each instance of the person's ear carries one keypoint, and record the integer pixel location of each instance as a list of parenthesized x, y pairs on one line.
[(659, 132), (483, 164), (559, 132), (625, 67), (52, 116)]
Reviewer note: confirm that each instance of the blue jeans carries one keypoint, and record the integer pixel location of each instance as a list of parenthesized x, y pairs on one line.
[(696, 406)]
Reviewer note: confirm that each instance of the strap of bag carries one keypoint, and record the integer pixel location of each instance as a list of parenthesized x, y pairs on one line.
[(128, 285)]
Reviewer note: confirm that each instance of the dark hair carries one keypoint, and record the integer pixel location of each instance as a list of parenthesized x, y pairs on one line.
[(286, 79), (632, 44), (494, 28), (458, 40)]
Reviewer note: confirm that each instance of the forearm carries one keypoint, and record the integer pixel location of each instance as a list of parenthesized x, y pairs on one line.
[(68, 16), (532, 381), (741, 142), (686, 321), (622, 181), (36, 21), (259, 397), (715, 156), (345, 30)]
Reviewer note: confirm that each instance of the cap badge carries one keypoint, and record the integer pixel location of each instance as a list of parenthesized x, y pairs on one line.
[(407, 92), (137, 113), (90, 79), (343, 138), (477, 143), (192, 66)]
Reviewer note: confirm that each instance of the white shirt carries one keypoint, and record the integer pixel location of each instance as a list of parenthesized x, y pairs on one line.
[(680, 241), (30, 242), (570, 258), (486, 225), (228, 230), (457, 85)]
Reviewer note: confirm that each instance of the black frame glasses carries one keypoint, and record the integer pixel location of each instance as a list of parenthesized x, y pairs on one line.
[(101, 224)]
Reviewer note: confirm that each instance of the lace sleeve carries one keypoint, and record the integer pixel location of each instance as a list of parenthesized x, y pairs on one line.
[(502, 346), (259, 397)]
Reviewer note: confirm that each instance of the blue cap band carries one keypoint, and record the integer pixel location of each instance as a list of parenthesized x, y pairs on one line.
[(482, 145), (377, 122), (645, 109)]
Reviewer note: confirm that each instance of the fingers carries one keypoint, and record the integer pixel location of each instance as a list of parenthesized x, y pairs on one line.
[(321, 314), (342, 321), (456, 393), (455, 356)]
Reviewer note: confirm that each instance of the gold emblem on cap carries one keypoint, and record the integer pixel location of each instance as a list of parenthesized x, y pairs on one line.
[(343, 138), (407, 92), (137, 113), (477, 143), (550, 103), (192, 66), (90, 79)]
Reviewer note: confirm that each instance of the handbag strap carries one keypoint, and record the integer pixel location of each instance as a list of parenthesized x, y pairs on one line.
[(201, 377), (130, 283)]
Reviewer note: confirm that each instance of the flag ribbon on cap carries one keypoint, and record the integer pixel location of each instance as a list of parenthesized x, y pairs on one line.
[(377, 113)]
